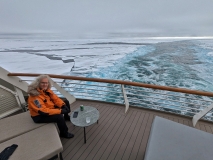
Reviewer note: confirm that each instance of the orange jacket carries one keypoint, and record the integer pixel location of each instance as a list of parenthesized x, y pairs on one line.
[(44, 103)]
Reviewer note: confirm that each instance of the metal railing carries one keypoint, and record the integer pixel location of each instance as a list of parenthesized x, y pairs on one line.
[(175, 100)]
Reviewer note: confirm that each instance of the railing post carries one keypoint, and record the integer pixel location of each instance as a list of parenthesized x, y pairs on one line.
[(202, 113), (68, 96), (125, 98)]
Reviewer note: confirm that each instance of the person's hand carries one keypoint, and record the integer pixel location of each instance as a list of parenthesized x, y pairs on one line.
[(64, 106), (64, 110)]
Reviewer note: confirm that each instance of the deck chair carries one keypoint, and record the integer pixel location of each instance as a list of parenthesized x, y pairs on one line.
[(9, 102)]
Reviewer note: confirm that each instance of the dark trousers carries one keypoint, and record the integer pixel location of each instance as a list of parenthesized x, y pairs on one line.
[(58, 118), (68, 105)]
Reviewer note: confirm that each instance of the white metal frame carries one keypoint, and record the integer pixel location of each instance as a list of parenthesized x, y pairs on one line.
[(20, 95), (15, 81), (17, 99)]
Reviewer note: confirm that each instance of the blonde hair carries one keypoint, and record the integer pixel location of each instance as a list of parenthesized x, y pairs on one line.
[(35, 84)]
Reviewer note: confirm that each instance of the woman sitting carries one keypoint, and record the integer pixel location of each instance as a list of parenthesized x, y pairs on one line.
[(46, 107)]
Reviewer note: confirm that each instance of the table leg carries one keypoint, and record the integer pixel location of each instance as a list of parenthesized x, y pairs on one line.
[(60, 155), (84, 134)]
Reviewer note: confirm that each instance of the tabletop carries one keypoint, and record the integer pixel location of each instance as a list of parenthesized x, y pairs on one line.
[(89, 112)]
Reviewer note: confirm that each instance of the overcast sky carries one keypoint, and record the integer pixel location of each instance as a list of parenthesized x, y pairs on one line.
[(157, 17)]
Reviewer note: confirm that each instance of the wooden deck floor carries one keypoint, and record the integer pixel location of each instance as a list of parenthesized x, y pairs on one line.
[(117, 136)]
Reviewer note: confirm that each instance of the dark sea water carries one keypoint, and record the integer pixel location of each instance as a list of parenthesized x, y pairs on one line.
[(184, 64), (175, 63)]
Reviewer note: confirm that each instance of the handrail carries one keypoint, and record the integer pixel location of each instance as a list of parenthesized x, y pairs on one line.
[(182, 90)]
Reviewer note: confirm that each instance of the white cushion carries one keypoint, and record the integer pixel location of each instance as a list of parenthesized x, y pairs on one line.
[(40, 143), (169, 140), (16, 125)]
